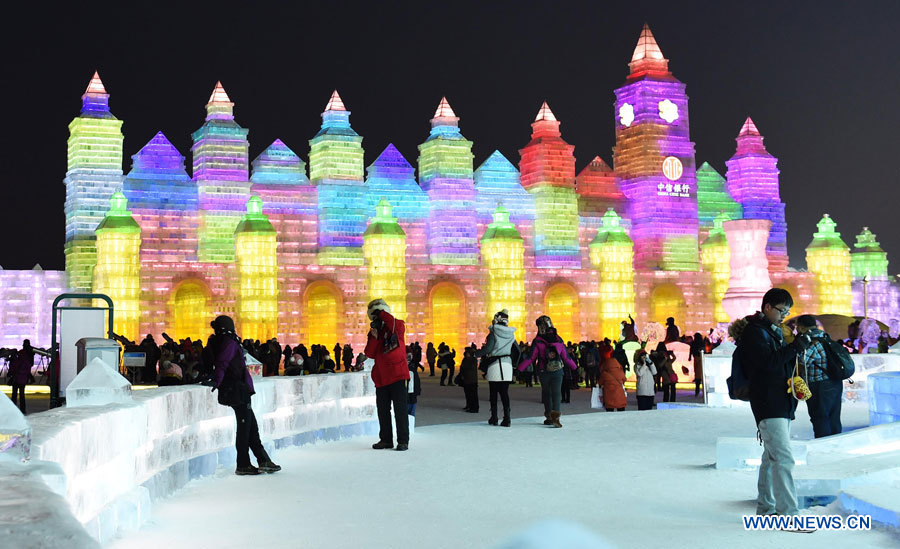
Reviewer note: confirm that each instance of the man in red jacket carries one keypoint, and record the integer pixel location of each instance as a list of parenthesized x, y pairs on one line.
[(387, 345)]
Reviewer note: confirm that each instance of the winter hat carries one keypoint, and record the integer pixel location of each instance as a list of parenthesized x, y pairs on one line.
[(377, 305), (223, 323)]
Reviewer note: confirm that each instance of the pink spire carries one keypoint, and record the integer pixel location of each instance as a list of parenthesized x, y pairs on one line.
[(444, 110), (95, 86), (647, 57), (335, 103), (646, 48), (545, 114), (749, 128), (218, 95)]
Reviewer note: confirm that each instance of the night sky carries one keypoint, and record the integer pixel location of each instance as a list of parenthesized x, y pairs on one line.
[(819, 79)]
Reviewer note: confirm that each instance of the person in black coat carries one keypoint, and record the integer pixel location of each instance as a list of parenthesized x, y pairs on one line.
[(415, 385), (468, 374), (768, 362)]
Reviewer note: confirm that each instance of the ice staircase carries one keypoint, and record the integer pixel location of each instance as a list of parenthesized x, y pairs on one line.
[(859, 469)]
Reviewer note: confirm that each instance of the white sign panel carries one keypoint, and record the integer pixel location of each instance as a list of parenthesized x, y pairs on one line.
[(75, 324)]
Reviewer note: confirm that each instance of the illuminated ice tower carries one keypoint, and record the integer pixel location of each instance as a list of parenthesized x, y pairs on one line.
[(716, 258), (872, 290), (828, 257), (612, 253), (713, 199), (94, 174), (445, 173), (753, 182), (547, 167), (221, 174), (257, 267), (385, 251), (504, 259), (336, 168), (654, 160), (118, 270)]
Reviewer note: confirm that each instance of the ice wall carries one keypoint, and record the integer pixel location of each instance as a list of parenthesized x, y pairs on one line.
[(118, 458), (27, 298)]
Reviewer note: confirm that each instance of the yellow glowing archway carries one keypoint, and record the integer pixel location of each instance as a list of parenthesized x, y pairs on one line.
[(447, 306), (561, 305), (191, 311), (323, 307), (665, 301)]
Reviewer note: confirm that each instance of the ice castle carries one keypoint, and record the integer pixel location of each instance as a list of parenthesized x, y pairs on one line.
[(297, 255)]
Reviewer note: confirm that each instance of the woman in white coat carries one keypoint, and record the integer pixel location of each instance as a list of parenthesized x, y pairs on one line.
[(497, 362), (645, 371)]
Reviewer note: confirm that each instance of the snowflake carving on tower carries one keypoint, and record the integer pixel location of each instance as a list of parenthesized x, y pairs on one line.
[(668, 111), (626, 114)]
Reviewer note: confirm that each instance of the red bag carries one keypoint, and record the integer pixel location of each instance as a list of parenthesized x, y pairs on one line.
[(673, 377)]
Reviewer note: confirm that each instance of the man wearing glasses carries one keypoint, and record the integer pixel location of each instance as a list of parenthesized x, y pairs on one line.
[(768, 363)]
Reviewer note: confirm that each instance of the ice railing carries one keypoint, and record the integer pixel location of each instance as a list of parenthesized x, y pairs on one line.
[(117, 458)]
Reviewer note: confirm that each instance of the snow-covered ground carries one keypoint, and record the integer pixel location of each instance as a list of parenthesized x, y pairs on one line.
[(634, 479)]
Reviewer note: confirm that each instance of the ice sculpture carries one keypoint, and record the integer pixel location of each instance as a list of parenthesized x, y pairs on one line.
[(97, 384), (829, 259), (503, 253), (873, 294), (497, 182), (612, 253), (654, 160), (715, 255), (384, 248), (15, 433), (749, 279), (221, 174), (118, 269), (884, 397), (94, 174), (256, 260), (753, 182), (547, 169), (713, 200), (336, 169), (598, 191), (445, 173)]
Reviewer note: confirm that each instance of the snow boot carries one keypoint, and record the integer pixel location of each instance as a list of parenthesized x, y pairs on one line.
[(547, 420), (505, 422), (554, 417)]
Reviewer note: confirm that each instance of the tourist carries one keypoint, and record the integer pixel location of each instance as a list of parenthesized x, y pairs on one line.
[(590, 356), (446, 362), (672, 333), (337, 356), (347, 357), (19, 373), (497, 359), (768, 363), (612, 380), (287, 353), (548, 353), (664, 359), (824, 404), (468, 379), (415, 384), (151, 359), (417, 354), (697, 349), (430, 355), (645, 371), (170, 372), (628, 330), (235, 386), (385, 344)]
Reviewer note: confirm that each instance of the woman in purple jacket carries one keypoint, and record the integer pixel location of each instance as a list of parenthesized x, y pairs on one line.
[(549, 356), (235, 387)]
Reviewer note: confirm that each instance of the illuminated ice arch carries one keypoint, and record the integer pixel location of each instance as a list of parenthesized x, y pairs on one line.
[(190, 310), (666, 301), (447, 315), (322, 311), (668, 111), (561, 305)]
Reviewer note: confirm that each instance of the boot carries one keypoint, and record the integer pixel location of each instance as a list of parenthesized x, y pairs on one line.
[(248, 470), (269, 467), (505, 422), (493, 420), (547, 420), (554, 417)]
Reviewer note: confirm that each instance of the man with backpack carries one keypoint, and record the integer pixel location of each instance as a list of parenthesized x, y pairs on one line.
[(768, 363), (824, 405)]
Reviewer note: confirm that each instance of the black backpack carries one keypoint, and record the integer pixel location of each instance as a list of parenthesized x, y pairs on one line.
[(840, 363), (738, 382)]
